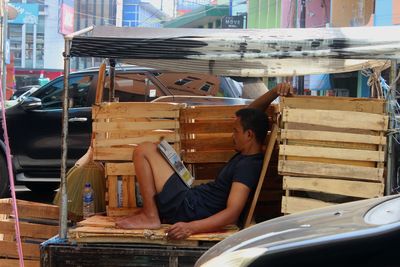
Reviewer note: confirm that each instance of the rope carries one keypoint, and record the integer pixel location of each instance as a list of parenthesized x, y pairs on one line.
[(11, 178)]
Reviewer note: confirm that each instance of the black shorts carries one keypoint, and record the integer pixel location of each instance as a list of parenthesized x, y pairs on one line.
[(176, 202)]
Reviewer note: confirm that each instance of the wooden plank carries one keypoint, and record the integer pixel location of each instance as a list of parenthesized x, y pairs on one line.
[(27, 209), (334, 186), (210, 112), (332, 137), (332, 153), (112, 191), (132, 191), (208, 144), (128, 126), (271, 144), (125, 168), (113, 154), (29, 229), (9, 249), (133, 141), (11, 262), (135, 110), (207, 127), (335, 161), (338, 119), (290, 167), (298, 204), (376, 106), (333, 144), (207, 156)]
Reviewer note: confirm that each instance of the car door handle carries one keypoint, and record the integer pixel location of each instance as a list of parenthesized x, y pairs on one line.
[(77, 119)]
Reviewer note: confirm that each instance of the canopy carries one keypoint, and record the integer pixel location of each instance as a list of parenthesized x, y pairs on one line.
[(248, 53)]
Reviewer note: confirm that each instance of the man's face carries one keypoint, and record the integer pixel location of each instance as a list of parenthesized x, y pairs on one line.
[(239, 136)]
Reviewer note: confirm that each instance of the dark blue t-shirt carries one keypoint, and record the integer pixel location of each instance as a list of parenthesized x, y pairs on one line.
[(208, 199)]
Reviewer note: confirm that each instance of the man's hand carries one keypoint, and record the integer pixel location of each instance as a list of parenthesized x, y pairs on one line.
[(180, 230), (284, 89)]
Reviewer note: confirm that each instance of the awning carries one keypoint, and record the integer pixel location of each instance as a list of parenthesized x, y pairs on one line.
[(253, 53)]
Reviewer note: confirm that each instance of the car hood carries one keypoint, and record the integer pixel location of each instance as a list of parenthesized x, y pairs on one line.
[(314, 227)]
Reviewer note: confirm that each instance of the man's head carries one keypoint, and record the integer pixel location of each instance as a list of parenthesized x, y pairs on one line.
[(251, 125)]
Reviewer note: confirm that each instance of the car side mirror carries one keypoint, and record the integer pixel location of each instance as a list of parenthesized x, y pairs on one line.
[(30, 102)]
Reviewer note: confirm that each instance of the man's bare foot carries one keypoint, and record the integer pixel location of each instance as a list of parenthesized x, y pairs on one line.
[(139, 221)]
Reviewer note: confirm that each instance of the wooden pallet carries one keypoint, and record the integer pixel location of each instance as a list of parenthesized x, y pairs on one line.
[(101, 229), (332, 150), (37, 223)]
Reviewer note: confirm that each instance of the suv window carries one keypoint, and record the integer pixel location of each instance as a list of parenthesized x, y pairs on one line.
[(133, 87), (52, 95)]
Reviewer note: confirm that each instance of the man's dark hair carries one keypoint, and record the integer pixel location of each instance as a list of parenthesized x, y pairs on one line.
[(255, 120)]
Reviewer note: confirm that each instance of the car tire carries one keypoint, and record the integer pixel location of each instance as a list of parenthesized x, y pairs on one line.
[(42, 187), (4, 181)]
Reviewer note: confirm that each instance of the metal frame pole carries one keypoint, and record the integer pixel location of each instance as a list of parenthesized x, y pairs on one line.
[(64, 146), (4, 44)]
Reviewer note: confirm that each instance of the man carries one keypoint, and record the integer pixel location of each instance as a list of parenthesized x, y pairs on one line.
[(206, 207)]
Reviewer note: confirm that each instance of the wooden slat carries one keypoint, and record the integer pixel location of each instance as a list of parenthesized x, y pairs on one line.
[(127, 141), (376, 106), (332, 137), (298, 204), (271, 143), (210, 112), (113, 154), (334, 186), (207, 127), (335, 161), (11, 262), (131, 191), (289, 167), (27, 209), (112, 191), (135, 110), (207, 156), (9, 249), (359, 146), (199, 144), (338, 119), (331, 153), (124, 126), (125, 168), (29, 229)]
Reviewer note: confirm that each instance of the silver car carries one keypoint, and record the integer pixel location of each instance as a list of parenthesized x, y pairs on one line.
[(360, 233)]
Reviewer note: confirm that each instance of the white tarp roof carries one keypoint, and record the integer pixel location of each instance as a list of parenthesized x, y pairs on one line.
[(254, 53)]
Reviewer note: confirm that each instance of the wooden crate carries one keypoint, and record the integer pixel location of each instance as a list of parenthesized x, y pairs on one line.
[(118, 128), (38, 222), (206, 143), (332, 150)]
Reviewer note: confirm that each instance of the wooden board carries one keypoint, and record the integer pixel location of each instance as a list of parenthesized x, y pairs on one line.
[(27, 209), (135, 110), (125, 168), (332, 137), (298, 204), (291, 167), (102, 229), (334, 186), (207, 156), (376, 106), (331, 153), (15, 262), (337, 118)]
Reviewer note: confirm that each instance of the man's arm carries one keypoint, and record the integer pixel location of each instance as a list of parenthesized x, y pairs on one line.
[(235, 204), (262, 102)]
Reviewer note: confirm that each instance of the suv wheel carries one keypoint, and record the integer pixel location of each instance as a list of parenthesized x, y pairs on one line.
[(4, 181)]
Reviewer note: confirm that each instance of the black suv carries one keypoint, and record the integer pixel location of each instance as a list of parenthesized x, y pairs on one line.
[(34, 123)]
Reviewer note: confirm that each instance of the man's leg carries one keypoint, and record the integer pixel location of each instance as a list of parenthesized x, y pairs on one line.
[(152, 172)]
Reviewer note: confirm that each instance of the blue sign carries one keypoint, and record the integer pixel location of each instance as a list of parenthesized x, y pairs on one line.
[(27, 13)]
